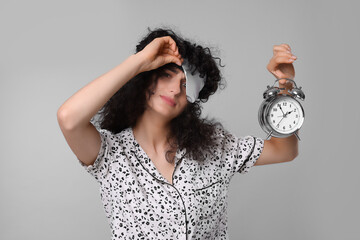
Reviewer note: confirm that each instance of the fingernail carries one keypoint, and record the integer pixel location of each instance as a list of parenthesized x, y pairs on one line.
[(293, 56)]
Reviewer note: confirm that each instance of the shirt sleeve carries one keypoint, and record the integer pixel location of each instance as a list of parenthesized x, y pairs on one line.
[(100, 167), (249, 149), (240, 153)]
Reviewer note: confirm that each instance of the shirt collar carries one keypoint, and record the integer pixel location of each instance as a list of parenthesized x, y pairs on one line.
[(138, 154)]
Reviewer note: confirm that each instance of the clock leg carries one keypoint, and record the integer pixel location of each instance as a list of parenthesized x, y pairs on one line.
[(297, 135), (269, 135)]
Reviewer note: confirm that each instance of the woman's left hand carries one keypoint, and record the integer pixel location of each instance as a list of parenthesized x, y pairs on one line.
[(281, 63)]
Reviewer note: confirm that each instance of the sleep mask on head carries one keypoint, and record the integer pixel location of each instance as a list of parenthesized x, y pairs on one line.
[(194, 83)]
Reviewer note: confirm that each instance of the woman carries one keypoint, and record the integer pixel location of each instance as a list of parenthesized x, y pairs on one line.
[(163, 171)]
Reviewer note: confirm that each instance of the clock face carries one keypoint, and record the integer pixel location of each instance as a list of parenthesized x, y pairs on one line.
[(285, 115)]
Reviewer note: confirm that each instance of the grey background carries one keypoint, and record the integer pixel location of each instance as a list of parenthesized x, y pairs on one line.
[(50, 49)]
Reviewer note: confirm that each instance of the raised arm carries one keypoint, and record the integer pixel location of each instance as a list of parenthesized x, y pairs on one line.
[(278, 150), (78, 110), (75, 113)]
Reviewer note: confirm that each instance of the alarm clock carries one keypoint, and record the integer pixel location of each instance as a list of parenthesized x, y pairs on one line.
[(281, 115)]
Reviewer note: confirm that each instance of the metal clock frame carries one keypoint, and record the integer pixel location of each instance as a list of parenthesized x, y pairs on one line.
[(271, 97)]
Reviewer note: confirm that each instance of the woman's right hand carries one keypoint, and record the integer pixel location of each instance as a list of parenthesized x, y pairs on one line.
[(159, 52)]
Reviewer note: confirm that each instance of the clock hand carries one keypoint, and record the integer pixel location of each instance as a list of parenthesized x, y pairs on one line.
[(280, 121), (281, 109), (288, 113)]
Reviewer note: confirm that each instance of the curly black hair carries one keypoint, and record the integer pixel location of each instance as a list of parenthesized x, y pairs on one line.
[(188, 130)]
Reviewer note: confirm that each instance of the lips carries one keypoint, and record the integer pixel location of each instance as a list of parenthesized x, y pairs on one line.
[(168, 100)]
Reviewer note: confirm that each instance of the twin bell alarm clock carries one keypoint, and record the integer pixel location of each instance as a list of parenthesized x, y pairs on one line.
[(281, 115)]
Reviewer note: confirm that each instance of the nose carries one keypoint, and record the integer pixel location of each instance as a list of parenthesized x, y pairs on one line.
[(175, 85)]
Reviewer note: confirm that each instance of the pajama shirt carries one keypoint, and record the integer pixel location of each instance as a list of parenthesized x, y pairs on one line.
[(140, 203)]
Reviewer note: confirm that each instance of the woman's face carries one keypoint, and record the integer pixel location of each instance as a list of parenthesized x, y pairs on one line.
[(169, 96)]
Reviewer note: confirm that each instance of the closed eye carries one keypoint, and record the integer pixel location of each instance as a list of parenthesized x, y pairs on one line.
[(165, 74)]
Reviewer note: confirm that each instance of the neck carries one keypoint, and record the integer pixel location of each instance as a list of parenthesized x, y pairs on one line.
[(151, 132)]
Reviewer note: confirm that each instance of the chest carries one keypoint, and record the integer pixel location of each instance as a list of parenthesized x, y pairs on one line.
[(165, 168)]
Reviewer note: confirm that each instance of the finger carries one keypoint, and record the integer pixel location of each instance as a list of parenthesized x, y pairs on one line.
[(275, 62), (284, 59), (286, 46), (170, 42), (279, 48), (282, 81), (169, 51), (285, 55), (171, 58)]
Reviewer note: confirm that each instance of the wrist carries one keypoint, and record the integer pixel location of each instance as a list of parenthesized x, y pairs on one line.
[(137, 61)]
